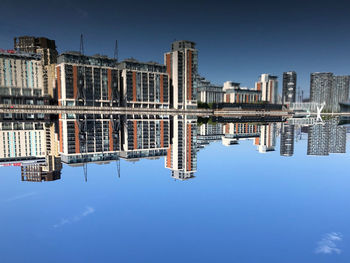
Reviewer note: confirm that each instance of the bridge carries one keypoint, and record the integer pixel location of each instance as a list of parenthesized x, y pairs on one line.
[(55, 109), (309, 107), (302, 121)]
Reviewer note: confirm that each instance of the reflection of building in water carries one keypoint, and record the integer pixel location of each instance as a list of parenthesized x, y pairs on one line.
[(287, 140), (337, 137), (89, 138), (326, 138), (106, 138), (267, 139), (233, 132), (37, 172), (22, 141), (318, 139), (208, 133), (145, 136), (51, 169), (182, 154), (34, 147)]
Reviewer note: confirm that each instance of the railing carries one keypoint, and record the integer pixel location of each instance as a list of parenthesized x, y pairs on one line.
[(306, 106), (54, 109)]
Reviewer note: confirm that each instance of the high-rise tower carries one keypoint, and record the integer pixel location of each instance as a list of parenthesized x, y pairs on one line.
[(289, 87), (268, 85), (182, 67), (325, 87)]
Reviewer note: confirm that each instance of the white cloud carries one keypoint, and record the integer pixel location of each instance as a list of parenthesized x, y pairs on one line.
[(18, 197), (328, 244), (88, 210)]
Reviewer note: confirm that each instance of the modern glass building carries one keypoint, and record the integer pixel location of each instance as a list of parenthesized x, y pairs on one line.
[(325, 87), (289, 87)]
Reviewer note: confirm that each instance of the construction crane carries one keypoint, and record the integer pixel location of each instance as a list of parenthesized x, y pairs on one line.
[(81, 44), (85, 171), (118, 167), (116, 50)]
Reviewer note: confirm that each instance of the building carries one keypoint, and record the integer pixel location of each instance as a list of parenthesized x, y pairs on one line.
[(144, 84), (46, 48), (87, 80), (233, 93), (287, 140), (21, 77), (29, 44), (268, 86), (207, 92), (340, 91), (21, 82), (344, 106), (182, 66), (325, 87), (320, 88), (182, 153), (289, 87)]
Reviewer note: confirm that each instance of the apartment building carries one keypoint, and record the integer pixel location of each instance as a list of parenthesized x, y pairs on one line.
[(21, 77), (234, 93), (144, 84), (208, 92), (87, 80), (268, 86), (289, 87), (182, 66)]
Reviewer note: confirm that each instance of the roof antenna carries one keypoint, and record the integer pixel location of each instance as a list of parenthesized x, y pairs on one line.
[(81, 44), (116, 50)]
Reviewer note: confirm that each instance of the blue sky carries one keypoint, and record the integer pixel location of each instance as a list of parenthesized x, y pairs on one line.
[(242, 206), (237, 40)]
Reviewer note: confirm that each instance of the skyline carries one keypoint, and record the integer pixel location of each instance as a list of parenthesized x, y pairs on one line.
[(242, 50), (194, 136)]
